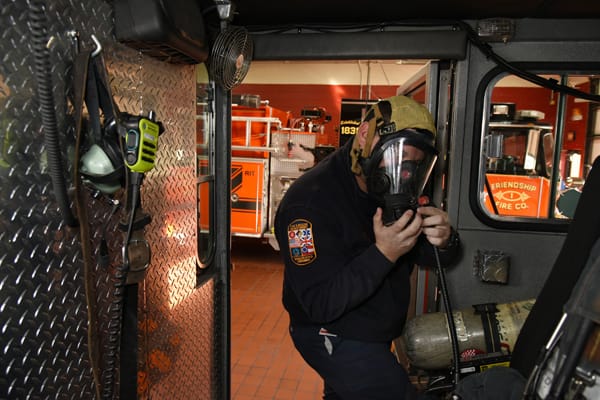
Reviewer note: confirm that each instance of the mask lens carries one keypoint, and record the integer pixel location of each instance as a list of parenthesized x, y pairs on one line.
[(403, 168), (407, 166)]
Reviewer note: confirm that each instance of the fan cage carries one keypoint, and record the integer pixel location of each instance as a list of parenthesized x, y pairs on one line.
[(231, 55)]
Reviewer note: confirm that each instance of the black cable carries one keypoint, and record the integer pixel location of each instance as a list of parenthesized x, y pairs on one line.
[(551, 84), (39, 30), (449, 317), (488, 189), (348, 27), (114, 332), (128, 336), (483, 46), (117, 304), (115, 317)]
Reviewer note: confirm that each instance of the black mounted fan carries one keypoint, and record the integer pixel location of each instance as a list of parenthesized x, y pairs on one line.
[(230, 57)]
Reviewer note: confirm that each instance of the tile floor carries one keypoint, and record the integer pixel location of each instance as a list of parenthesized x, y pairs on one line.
[(264, 363)]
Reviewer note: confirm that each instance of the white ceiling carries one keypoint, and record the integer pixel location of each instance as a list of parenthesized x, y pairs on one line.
[(378, 72), (354, 72)]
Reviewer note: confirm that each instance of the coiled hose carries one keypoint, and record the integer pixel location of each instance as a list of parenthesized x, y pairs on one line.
[(117, 304), (114, 333), (39, 30)]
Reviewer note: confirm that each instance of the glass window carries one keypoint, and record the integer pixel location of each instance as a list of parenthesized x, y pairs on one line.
[(205, 130), (535, 149)]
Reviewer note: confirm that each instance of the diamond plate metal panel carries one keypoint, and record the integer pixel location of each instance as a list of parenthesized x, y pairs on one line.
[(43, 319), (177, 340), (43, 309)]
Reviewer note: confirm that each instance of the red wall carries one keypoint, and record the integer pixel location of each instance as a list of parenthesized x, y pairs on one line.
[(544, 100), (294, 98)]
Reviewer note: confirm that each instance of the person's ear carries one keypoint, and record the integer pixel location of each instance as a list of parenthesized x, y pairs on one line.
[(363, 131)]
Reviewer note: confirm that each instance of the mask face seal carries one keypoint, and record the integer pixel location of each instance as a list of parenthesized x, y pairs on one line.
[(397, 172)]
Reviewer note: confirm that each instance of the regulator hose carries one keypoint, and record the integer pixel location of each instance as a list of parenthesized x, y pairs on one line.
[(115, 314), (39, 30), (449, 317)]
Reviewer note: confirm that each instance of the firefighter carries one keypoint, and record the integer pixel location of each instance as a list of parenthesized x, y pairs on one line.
[(350, 230)]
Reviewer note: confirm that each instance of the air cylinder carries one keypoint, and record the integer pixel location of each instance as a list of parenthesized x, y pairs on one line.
[(426, 339)]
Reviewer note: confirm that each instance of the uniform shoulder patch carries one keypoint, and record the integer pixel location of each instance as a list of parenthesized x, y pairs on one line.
[(301, 242)]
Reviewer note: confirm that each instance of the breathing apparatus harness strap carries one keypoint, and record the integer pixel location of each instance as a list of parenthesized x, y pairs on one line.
[(110, 133), (380, 122), (110, 130), (85, 65), (80, 71), (98, 97)]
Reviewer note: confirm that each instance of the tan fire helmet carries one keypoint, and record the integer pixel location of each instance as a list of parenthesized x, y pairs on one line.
[(390, 116)]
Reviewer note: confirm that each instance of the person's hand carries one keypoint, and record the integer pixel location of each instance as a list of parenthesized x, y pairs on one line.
[(395, 240), (436, 226)]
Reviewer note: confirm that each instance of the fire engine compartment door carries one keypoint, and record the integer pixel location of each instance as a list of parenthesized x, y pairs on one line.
[(249, 199), (430, 86), (526, 239)]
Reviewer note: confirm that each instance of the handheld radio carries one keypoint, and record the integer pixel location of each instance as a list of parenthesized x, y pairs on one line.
[(140, 141)]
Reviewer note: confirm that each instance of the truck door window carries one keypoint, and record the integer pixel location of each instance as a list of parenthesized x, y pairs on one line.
[(535, 149), (205, 166)]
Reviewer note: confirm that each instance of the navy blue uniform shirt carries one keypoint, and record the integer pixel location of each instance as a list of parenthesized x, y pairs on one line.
[(335, 277)]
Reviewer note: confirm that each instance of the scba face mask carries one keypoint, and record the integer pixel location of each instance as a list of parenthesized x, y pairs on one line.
[(398, 170)]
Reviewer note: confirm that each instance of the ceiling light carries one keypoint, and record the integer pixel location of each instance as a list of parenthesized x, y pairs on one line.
[(496, 29)]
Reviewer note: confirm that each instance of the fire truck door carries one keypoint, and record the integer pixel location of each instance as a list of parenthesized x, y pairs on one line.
[(432, 86), (508, 256)]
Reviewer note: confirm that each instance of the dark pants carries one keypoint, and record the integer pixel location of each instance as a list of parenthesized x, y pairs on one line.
[(353, 370)]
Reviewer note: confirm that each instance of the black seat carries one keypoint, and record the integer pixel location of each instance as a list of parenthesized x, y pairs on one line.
[(583, 232)]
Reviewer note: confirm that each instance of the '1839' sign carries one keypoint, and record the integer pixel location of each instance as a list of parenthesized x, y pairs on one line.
[(350, 117)]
